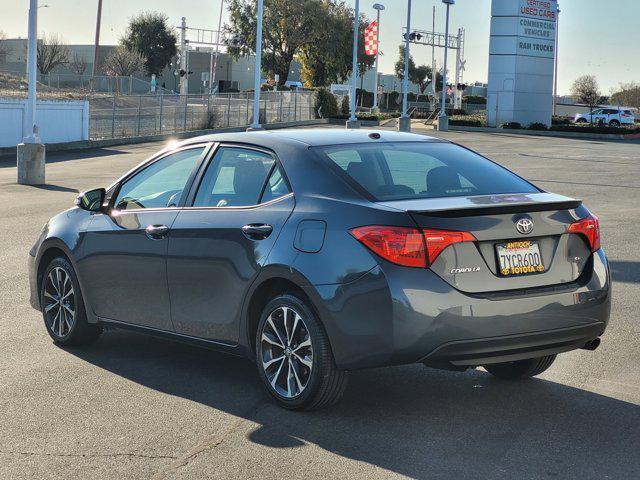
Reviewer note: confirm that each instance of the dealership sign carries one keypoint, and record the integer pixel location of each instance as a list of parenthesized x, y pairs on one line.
[(521, 57)]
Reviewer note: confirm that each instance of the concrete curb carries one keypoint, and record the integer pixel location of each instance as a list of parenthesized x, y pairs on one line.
[(543, 133), (113, 142)]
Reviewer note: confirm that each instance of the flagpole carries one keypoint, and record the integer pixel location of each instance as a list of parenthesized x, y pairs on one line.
[(404, 124), (379, 8), (353, 121)]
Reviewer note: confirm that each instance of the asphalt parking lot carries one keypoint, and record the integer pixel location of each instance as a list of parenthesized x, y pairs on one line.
[(132, 406)]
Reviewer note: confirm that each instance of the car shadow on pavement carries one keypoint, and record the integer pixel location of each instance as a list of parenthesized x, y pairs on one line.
[(625, 271), (409, 420)]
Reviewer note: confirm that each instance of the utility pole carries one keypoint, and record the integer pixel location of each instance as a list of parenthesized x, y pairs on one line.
[(443, 121), (214, 59), (184, 78), (353, 121), (258, 71), (379, 8), (31, 153), (434, 73), (404, 123), (96, 44)]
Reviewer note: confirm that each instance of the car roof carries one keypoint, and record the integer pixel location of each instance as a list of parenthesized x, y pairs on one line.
[(313, 137)]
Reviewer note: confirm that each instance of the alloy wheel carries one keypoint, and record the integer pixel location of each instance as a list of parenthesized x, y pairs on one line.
[(286, 352), (59, 302)]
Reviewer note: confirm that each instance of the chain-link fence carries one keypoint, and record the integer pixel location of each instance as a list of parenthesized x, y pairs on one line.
[(127, 116)]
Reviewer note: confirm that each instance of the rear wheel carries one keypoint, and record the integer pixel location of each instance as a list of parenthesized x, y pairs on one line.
[(294, 356), (520, 369), (581, 120), (614, 123), (62, 306)]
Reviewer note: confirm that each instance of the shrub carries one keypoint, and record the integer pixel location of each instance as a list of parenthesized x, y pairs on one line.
[(511, 126), (466, 123), (345, 107), (326, 104), (474, 100), (537, 126), (561, 121)]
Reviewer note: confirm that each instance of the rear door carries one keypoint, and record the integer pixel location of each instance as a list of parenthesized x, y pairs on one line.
[(220, 241)]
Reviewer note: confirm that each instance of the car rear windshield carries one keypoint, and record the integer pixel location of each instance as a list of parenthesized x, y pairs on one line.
[(399, 171)]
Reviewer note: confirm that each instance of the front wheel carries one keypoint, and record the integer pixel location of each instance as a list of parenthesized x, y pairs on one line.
[(62, 306), (294, 356), (521, 369)]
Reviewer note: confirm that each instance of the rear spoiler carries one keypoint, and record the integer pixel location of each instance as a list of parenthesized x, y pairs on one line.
[(500, 209)]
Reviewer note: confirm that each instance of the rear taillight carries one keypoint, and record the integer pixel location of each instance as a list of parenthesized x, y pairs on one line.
[(400, 245), (438, 240), (590, 228), (409, 247)]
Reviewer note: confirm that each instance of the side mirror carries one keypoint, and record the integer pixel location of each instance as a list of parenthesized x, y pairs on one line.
[(92, 200)]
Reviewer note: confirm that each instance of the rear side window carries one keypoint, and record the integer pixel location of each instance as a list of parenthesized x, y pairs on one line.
[(397, 171), (235, 178)]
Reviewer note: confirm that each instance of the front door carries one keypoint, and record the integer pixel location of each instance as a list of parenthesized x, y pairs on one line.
[(218, 245), (123, 265)]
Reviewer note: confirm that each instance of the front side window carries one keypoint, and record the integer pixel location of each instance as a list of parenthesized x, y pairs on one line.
[(234, 178), (160, 185), (398, 171)]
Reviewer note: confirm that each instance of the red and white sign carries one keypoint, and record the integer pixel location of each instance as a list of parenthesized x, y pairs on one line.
[(371, 39)]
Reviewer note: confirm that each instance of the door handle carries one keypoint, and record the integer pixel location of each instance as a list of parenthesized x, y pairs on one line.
[(257, 231), (156, 232)]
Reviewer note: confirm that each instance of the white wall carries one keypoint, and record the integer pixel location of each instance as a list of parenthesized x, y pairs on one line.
[(58, 121)]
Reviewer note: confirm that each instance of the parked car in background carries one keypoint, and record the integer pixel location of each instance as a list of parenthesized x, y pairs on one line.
[(613, 117)]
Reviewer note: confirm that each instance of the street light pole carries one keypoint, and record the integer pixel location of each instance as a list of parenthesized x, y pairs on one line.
[(258, 68), (353, 122), (404, 124), (214, 59), (443, 121), (379, 7), (31, 153)]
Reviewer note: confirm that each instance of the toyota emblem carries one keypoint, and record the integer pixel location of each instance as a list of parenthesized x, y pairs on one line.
[(524, 226)]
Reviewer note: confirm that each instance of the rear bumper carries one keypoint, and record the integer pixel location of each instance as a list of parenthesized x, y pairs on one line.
[(395, 315)]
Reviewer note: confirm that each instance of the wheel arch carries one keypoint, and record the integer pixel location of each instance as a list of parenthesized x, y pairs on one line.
[(273, 281)]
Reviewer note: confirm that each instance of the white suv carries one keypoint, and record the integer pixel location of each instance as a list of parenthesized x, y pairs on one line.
[(613, 117)]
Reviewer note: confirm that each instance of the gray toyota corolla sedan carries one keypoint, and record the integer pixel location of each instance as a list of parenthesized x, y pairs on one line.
[(317, 252)]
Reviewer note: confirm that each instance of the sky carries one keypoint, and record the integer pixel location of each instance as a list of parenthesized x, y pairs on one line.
[(596, 37)]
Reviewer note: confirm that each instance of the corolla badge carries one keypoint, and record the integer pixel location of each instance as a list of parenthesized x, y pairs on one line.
[(524, 226)]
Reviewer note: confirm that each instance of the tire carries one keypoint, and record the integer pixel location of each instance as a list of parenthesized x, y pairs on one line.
[(521, 369), (581, 120), (294, 356), (614, 123), (65, 322)]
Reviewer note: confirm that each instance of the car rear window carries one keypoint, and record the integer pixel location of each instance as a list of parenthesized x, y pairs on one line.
[(398, 171)]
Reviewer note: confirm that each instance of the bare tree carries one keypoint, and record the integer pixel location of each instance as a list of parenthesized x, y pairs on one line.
[(78, 64), (123, 62), (586, 90), (51, 53), (628, 95)]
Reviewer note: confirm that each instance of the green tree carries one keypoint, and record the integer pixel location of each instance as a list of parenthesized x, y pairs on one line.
[(288, 27), (150, 35), (421, 76)]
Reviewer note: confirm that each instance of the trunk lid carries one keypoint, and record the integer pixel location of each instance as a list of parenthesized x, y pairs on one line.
[(474, 267)]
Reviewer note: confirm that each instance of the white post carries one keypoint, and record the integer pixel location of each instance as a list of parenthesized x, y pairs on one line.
[(184, 80), (443, 121), (458, 93), (31, 153), (214, 60), (257, 74), (353, 121), (555, 65), (379, 8), (434, 73), (31, 135), (404, 124)]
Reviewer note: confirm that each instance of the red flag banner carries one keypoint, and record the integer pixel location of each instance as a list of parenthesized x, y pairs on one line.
[(371, 39)]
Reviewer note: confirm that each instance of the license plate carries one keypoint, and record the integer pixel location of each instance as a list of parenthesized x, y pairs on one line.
[(520, 257)]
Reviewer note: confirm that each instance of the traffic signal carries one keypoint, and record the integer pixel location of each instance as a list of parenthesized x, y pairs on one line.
[(461, 86)]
